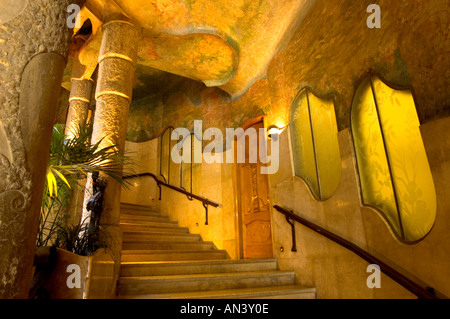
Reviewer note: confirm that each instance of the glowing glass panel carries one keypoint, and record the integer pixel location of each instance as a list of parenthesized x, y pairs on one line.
[(375, 179), (393, 166), (408, 159), (315, 144), (329, 166)]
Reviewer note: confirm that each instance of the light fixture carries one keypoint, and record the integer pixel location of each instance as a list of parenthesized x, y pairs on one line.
[(273, 129)]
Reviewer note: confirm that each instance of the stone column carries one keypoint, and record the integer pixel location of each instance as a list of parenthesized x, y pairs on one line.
[(33, 49), (79, 103), (117, 65), (82, 85)]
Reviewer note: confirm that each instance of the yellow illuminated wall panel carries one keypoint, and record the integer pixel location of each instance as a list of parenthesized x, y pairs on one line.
[(393, 167), (317, 158)]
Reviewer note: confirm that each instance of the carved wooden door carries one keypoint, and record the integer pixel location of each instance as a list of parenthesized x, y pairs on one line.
[(256, 228)]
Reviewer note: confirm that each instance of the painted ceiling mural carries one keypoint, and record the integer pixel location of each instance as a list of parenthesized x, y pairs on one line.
[(220, 43), (224, 62)]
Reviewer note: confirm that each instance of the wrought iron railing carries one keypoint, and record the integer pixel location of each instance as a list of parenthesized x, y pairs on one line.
[(165, 165), (206, 202)]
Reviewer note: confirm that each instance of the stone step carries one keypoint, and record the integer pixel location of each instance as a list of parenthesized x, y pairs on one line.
[(138, 212), (168, 245), (161, 260), (144, 219), (135, 207), (130, 223), (143, 236), (139, 269), (165, 255), (168, 228), (271, 292), (202, 282)]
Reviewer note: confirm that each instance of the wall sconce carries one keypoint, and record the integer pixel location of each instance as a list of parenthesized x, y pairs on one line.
[(273, 129)]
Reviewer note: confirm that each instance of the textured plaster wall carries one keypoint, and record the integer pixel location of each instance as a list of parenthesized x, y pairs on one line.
[(333, 50), (142, 191)]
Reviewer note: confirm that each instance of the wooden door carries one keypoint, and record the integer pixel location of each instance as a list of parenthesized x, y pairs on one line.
[(255, 219)]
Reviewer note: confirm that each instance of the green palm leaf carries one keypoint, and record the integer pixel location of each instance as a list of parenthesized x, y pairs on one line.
[(71, 160)]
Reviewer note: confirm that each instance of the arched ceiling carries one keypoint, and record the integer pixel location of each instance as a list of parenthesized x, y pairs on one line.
[(227, 44)]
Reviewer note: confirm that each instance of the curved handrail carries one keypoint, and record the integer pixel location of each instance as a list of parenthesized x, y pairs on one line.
[(206, 202), (412, 286)]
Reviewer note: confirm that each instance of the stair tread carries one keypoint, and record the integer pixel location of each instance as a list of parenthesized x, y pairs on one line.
[(161, 237), (129, 213), (207, 245), (230, 293), (146, 220), (201, 262), (134, 268), (154, 233), (146, 231), (149, 223), (170, 251), (140, 214), (151, 226), (247, 274), (181, 255), (125, 205), (156, 229), (170, 242)]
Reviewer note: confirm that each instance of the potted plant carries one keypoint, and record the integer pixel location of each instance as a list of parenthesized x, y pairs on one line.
[(60, 243)]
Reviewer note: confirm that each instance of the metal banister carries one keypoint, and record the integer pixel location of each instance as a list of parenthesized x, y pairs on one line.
[(415, 288), (206, 202)]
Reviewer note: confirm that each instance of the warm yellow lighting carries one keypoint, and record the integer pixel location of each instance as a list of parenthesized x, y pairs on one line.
[(373, 167), (315, 145), (275, 129), (393, 166)]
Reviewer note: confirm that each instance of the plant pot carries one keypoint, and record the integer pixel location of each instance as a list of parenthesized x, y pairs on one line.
[(81, 277)]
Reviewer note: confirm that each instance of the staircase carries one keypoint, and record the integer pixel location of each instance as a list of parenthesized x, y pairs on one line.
[(161, 260)]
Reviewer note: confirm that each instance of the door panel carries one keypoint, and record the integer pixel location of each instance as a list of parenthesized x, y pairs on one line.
[(256, 221)]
